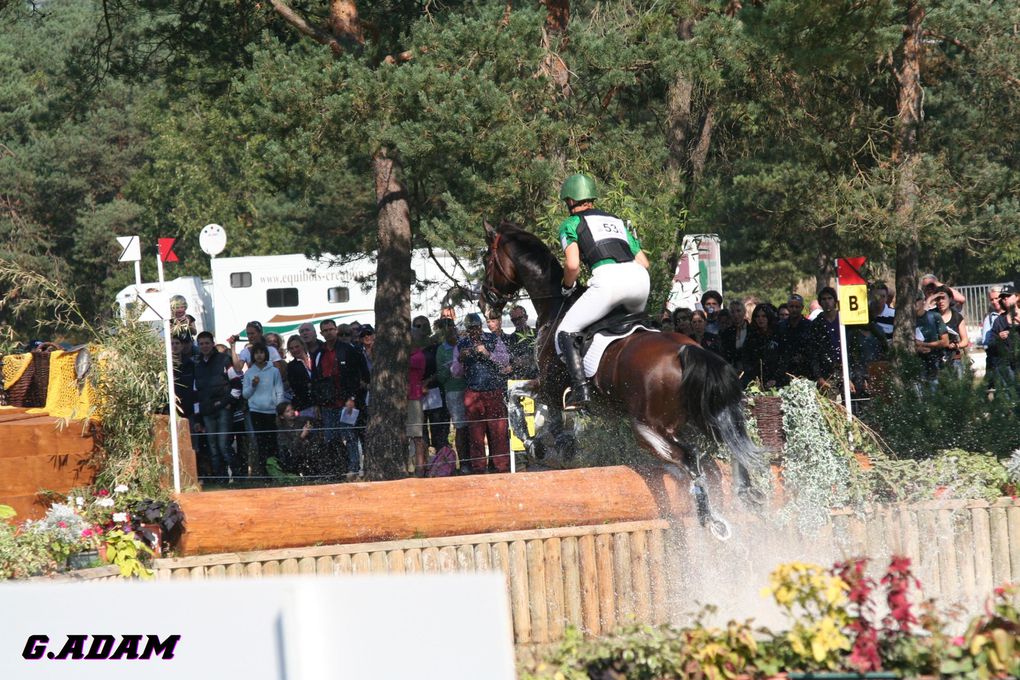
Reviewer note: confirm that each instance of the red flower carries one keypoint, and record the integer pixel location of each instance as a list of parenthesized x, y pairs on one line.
[(103, 492)]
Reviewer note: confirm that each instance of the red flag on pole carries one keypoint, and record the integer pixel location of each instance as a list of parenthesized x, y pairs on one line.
[(166, 250), (849, 270)]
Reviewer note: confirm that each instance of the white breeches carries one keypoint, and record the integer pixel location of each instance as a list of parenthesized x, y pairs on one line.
[(617, 283)]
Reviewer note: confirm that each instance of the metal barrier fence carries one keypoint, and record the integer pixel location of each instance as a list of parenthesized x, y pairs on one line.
[(976, 307)]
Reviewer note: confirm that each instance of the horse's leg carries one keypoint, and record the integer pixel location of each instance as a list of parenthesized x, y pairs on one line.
[(686, 458)]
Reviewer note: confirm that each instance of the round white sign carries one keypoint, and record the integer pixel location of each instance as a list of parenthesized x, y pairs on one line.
[(213, 239)]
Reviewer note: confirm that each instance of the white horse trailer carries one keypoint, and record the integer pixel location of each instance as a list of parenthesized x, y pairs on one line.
[(285, 291)]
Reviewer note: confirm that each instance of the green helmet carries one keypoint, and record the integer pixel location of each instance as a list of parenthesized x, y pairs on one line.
[(579, 187)]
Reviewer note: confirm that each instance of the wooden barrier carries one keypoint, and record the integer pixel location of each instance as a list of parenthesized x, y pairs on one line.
[(960, 549), (37, 454), (225, 521), (594, 578)]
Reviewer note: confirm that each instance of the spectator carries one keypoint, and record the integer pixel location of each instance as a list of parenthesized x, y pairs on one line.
[(212, 392), (437, 417), (296, 438), (416, 365), (986, 339), (783, 312), (448, 313), (711, 303), (931, 338), (1005, 336), (700, 334), (308, 336), (300, 371), (184, 375), (823, 339), (263, 388), (665, 319), (521, 346), (341, 372), (453, 391), (930, 282), (182, 324), (887, 314), (814, 310), (957, 327), (480, 358), (243, 358), (760, 353), (242, 441), (794, 344), (276, 342), (682, 321), (732, 339)]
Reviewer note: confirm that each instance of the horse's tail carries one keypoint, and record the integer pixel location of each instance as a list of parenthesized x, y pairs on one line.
[(713, 396)]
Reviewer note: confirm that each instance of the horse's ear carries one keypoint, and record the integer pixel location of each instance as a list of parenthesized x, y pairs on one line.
[(490, 231)]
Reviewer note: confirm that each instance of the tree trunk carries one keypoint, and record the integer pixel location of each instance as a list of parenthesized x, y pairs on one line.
[(386, 450), (825, 270), (557, 19), (908, 121)]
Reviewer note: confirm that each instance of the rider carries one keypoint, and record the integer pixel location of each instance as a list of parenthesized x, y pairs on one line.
[(619, 273)]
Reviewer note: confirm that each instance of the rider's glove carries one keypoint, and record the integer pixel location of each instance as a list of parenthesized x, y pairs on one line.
[(567, 292)]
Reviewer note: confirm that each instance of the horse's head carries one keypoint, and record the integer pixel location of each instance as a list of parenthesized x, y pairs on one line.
[(501, 282)]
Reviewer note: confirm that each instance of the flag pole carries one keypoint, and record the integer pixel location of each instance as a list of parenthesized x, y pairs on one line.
[(171, 396), (844, 355)]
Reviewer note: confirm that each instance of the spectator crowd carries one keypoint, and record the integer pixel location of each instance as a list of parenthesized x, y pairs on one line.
[(298, 406), (278, 408)]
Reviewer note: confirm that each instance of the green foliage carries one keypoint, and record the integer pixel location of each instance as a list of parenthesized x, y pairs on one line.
[(125, 551), (917, 419), (130, 381), (23, 553)]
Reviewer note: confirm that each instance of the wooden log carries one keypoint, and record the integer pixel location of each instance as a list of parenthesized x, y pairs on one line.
[(217, 571), (949, 568), (254, 519), (537, 606), (235, 570), (982, 552), (623, 579), (929, 564), (430, 560), (555, 599), (592, 623), (271, 568), (395, 559), (466, 558), (518, 563), (607, 583), (1013, 527), (447, 559), (343, 565), (571, 582), (306, 565), (483, 557), (999, 530), (657, 575), (378, 562), (965, 558), (412, 561), (639, 574), (324, 566)]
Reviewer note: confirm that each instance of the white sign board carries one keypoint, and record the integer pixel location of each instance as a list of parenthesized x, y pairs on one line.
[(449, 626), (131, 248)]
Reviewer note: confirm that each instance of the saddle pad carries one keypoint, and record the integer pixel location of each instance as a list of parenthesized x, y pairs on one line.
[(600, 342)]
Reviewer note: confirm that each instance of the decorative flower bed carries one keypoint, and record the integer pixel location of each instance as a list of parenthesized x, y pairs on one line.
[(835, 626)]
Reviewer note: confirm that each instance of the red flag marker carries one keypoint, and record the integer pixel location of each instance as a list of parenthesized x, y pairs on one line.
[(166, 250)]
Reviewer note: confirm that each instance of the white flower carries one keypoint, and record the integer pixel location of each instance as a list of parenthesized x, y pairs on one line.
[(105, 502), (120, 488), (120, 517), (79, 501)]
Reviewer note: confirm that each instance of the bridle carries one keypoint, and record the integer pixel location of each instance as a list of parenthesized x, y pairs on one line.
[(494, 298)]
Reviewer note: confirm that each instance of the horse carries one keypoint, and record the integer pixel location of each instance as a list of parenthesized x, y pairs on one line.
[(670, 388)]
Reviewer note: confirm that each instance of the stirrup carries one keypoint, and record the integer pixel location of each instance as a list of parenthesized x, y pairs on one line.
[(569, 405)]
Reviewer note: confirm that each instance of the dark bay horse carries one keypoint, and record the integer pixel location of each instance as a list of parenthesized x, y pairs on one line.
[(670, 389)]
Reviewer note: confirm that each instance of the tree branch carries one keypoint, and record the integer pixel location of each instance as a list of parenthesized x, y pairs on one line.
[(297, 21)]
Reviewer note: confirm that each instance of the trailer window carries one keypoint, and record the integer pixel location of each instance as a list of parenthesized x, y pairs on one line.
[(240, 280), (282, 297), (338, 294)]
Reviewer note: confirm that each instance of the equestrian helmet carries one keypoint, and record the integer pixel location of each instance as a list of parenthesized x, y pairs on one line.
[(579, 187)]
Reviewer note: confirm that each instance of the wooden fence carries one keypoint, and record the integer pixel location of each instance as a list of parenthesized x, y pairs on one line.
[(594, 578), (961, 550)]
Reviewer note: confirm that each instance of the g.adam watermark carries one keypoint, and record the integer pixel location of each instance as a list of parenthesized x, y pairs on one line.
[(101, 647)]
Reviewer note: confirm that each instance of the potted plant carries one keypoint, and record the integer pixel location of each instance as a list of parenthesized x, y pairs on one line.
[(159, 523)]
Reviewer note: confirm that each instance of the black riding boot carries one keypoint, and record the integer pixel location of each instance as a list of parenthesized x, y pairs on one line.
[(579, 391)]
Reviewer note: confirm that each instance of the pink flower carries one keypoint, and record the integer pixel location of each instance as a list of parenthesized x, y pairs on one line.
[(103, 492), (86, 533), (62, 524), (958, 641)]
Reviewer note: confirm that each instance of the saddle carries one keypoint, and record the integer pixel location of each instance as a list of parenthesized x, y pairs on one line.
[(617, 323)]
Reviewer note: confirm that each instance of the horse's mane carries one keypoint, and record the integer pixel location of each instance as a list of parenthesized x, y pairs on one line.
[(530, 250)]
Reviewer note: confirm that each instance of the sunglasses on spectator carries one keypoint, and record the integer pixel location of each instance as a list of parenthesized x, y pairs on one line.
[(343, 335), (418, 325), (518, 318)]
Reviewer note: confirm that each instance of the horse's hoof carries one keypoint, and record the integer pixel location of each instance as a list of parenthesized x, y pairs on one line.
[(720, 528), (752, 498)]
